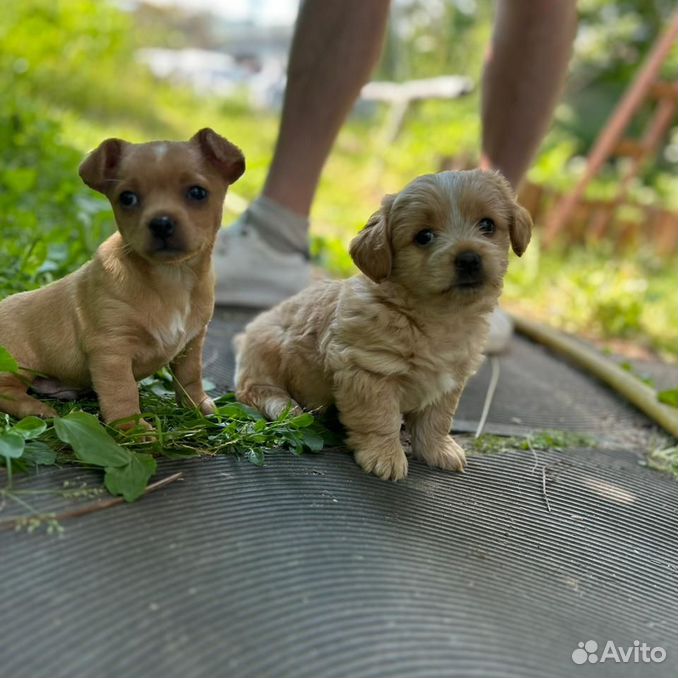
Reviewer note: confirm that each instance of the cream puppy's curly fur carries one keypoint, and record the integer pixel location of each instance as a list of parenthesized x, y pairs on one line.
[(403, 338)]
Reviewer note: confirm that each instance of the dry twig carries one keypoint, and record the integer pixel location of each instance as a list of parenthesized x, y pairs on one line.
[(94, 506)]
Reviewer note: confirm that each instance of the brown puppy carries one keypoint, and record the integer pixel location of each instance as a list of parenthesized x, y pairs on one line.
[(145, 298), (403, 338)]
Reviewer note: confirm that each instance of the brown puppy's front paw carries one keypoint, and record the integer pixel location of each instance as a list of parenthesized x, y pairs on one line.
[(129, 424), (387, 465), (139, 428), (447, 455), (207, 406), (43, 411)]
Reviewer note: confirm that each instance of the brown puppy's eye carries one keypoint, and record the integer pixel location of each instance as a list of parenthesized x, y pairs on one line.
[(486, 226), (197, 193), (128, 199), (425, 237)]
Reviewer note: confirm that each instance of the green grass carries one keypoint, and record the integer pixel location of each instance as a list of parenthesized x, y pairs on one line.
[(542, 440), (598, 295), (664, 459)]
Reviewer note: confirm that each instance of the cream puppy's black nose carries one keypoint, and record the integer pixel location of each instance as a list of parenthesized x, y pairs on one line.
[(468, 263), (162, 227)]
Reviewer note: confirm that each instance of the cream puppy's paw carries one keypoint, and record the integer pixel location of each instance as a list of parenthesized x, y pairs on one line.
[(446, 454), (274, 407), (385, 464)]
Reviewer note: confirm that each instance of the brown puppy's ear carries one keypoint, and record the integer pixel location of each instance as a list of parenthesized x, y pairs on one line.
[(98, 169), (227, 157), (520, 229), (371, 248)]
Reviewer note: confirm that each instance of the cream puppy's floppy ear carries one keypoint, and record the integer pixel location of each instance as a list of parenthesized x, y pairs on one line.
[(520, 229), (227, 157), (520, 226), (98, 169), (371, 248)]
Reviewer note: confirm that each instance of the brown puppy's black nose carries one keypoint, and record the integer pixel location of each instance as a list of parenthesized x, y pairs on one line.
[(162, 227), (468, 264)]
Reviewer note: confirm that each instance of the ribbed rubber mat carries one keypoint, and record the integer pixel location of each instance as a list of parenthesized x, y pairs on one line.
[(536, 390), (539, 390), (309, 567), (218, 355)]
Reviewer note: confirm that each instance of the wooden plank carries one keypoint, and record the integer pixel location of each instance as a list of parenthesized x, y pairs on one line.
[(614, 129)]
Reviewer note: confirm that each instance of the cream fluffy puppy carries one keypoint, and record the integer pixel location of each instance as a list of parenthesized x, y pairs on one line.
[(402, 338)]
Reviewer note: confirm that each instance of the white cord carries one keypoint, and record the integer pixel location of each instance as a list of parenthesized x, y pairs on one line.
[(492, 387)]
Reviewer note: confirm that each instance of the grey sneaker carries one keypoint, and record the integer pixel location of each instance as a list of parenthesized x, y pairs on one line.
[(249, 272), (501, 331)]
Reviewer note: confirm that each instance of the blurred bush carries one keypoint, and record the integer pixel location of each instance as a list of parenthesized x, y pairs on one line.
[(73, 54), (50, 222)]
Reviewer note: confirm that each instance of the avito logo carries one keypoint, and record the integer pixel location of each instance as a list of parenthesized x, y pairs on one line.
[(638, 653)]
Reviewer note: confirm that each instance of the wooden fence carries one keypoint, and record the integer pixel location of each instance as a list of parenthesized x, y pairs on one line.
[(628, 225)]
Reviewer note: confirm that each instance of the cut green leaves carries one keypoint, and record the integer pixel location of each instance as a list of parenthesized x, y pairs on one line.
[(30, 427), (126, 472), (89, 440), (11, 445), (131, 479), (125, 460), (37, 453)]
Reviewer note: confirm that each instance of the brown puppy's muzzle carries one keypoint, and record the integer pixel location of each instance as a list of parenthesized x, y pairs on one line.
[(162, 227), (165, 236), (469, 270)]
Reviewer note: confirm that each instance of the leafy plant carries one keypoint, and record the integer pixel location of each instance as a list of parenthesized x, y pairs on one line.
[(14, 443), (126, 473), (128, 459)]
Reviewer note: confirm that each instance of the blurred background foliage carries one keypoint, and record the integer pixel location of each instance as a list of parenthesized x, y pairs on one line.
[(70, 77)]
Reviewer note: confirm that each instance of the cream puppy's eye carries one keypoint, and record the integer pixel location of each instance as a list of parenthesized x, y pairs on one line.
[(197, 193), (486, 226), (128, 199), (425, 237)]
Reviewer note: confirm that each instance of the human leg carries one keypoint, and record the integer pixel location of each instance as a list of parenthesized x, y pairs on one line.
[(335, 47), (524, 75)]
